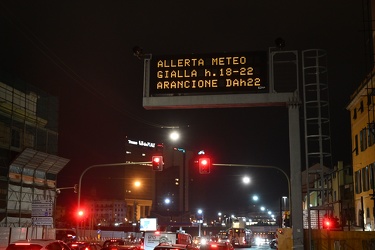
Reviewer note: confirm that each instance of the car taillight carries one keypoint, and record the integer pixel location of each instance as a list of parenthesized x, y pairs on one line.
[(213, 245), (87, 248)]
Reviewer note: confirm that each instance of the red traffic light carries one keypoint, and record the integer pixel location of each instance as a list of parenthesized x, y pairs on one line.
[(80, 214), (327, 223), (157, 163), (204, 165)]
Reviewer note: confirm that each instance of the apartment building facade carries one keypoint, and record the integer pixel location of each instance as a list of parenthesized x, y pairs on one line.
[(362, 113)]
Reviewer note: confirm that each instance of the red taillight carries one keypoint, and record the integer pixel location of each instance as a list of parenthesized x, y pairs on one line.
[(213, 245), (87, 248)]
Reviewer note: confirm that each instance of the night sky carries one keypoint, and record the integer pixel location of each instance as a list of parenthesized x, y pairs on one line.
[(81, 51)]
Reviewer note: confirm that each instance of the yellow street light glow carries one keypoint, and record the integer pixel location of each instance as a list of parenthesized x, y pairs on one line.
[(137, 183)]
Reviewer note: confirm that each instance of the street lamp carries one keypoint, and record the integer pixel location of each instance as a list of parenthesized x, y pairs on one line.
[(200, 212), (174, 135), (137, 184), (260, 166), (246, 179), (167, 201), (183, 175), (103, 165)]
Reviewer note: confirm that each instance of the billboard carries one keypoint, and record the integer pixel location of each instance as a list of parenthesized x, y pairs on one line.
[(148, 224), (204, 74)]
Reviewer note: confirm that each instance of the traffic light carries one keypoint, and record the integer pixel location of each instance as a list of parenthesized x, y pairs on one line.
[(80, 214), (327, 223), (75, 188), (157, 163), (204, 165), (331, 222)]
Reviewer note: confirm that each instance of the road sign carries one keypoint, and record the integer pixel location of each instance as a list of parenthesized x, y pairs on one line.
[(42, 221), (41, 208)]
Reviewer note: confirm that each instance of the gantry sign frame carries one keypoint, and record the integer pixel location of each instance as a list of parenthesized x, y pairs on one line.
[(168, 83)]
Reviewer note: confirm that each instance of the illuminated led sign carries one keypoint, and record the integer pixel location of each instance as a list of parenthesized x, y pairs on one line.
[(208, 74), (142, 143)]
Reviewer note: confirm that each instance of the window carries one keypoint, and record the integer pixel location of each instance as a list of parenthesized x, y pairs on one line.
[(354, 113), (365, 178), (356, 144), (361, 107), (358, 183), (363, 139), (371, 134)]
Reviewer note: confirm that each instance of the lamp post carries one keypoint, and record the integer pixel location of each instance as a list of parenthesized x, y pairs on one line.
[(183, 202), (260, 166), (137, 185), (103, 165), (200, 212)]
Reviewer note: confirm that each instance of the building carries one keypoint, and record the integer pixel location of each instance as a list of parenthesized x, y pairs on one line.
[(28, 153), (338, 200), (162, 194), (139, 181), (362, 115), (362, 112), (107, 212)]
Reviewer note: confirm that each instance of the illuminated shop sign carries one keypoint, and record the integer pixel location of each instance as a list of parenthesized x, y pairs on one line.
[(142, 143), (208, 74)]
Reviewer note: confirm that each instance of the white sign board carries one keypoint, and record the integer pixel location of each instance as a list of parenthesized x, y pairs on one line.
[(41, 208), (42, 221)]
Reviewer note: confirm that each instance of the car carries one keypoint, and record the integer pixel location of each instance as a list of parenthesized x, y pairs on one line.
[(38, 244), (66, 235), (113, 242), (168, 246), (198, 240), (120, 244), (84, 245), (215, 245), (273, 244)]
